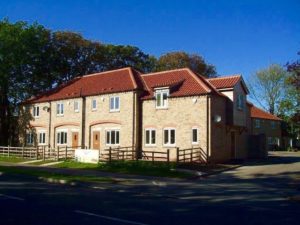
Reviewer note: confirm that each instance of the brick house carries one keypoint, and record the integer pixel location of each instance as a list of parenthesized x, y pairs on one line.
[(155, 111)]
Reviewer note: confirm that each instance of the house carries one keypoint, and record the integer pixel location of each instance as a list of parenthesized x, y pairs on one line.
[(154, 111), (265, 123)]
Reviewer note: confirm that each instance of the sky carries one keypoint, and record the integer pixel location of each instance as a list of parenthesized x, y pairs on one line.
[(238, 37)]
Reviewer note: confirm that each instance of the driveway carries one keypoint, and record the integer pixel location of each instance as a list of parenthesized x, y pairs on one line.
[(257, 193)]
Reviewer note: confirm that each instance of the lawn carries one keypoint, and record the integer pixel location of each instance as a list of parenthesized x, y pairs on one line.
[(12, 159), (45, 175), (159, 169)]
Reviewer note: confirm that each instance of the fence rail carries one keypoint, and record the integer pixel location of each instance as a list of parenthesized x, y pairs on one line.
[(118, 153), (156, 156), (191, 155)]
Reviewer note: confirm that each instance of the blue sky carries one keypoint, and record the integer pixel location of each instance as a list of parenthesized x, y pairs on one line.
[(235, 36)]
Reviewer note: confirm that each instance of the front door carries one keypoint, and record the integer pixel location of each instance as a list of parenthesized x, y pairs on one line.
[(96, 140), (232, 145), (74, 139)]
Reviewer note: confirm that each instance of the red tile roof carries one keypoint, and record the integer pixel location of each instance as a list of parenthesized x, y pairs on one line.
[(225, 82), (120, 80), (183, 82), (261, 114)]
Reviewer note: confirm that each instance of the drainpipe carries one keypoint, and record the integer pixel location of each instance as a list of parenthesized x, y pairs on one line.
[(83, 121), (133, 117), (208, 125), (49, 129)]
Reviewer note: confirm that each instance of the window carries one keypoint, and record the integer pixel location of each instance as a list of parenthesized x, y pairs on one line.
[(150, 135), (94, 104), (169, 137), (62, 137), (36, 111), (257, 123), (240, 102), (114, 104), (195, 136), (273, 124), (274, 141), (161, 97), (42, 138), (76, 106), (60, 109), (112, 137), (29, 138)]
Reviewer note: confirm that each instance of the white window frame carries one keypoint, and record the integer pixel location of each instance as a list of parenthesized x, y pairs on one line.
[(36, 111), (94, 104), (29, 138), (257, 123), (60, 109), (76, 106), (42, 137), (169, 144), (151, 142), (108, 137), (197, 130), (62, 140), (112, 104), (163, 104)]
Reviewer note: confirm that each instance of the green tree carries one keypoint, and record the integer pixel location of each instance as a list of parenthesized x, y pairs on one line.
[(176, 60), (270, 89)]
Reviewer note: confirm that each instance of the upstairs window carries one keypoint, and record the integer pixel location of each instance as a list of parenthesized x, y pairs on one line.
[(29, 138), (62, 137), (161, 98), (240, 101), (273, 124), (114, 105), (150, 137), (169, 137), (36, 111), (76, 106), (94, 104), (257, 123), (195, 136), (42, 137), (60, 109)]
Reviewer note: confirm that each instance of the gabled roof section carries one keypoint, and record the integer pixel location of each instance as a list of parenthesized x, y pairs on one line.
[(113, 81), (183, 82), (256, 112), (228, 82)]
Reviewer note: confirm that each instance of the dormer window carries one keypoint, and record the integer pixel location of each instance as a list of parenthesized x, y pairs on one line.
[(161, 97)]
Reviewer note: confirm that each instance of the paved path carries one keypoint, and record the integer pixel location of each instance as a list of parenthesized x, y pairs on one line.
[(258, 193)]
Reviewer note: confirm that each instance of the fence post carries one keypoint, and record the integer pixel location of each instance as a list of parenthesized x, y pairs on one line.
[(66, 153), (177, 155), (168, 155), (192, 155), (44, 149), (23, 151), (109, 151), (152, 157), (57, 153), (8, 150), (37, 152)]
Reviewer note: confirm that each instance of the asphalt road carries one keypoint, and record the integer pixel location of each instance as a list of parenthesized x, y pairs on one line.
[(259, 193)]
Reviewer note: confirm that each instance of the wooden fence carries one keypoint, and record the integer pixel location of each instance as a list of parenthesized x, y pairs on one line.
[(191, 155), (118, 153), (156, 156)]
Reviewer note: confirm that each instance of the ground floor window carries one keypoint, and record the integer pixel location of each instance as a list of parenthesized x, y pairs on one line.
[(273, 141), (112, 137), (150, 135), (195, 136), (29, 138), (42, 137), (62, 137), (169, 137)]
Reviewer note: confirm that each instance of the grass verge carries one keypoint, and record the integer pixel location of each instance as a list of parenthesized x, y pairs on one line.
[(54, 176), (12, 159), (41, 162), (159, 169)]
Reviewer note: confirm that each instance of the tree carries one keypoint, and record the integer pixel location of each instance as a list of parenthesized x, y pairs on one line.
[(175, 60), (270, 89)]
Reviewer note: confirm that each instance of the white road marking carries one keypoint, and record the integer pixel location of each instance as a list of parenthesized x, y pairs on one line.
[(12, 197), (109, 218)]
